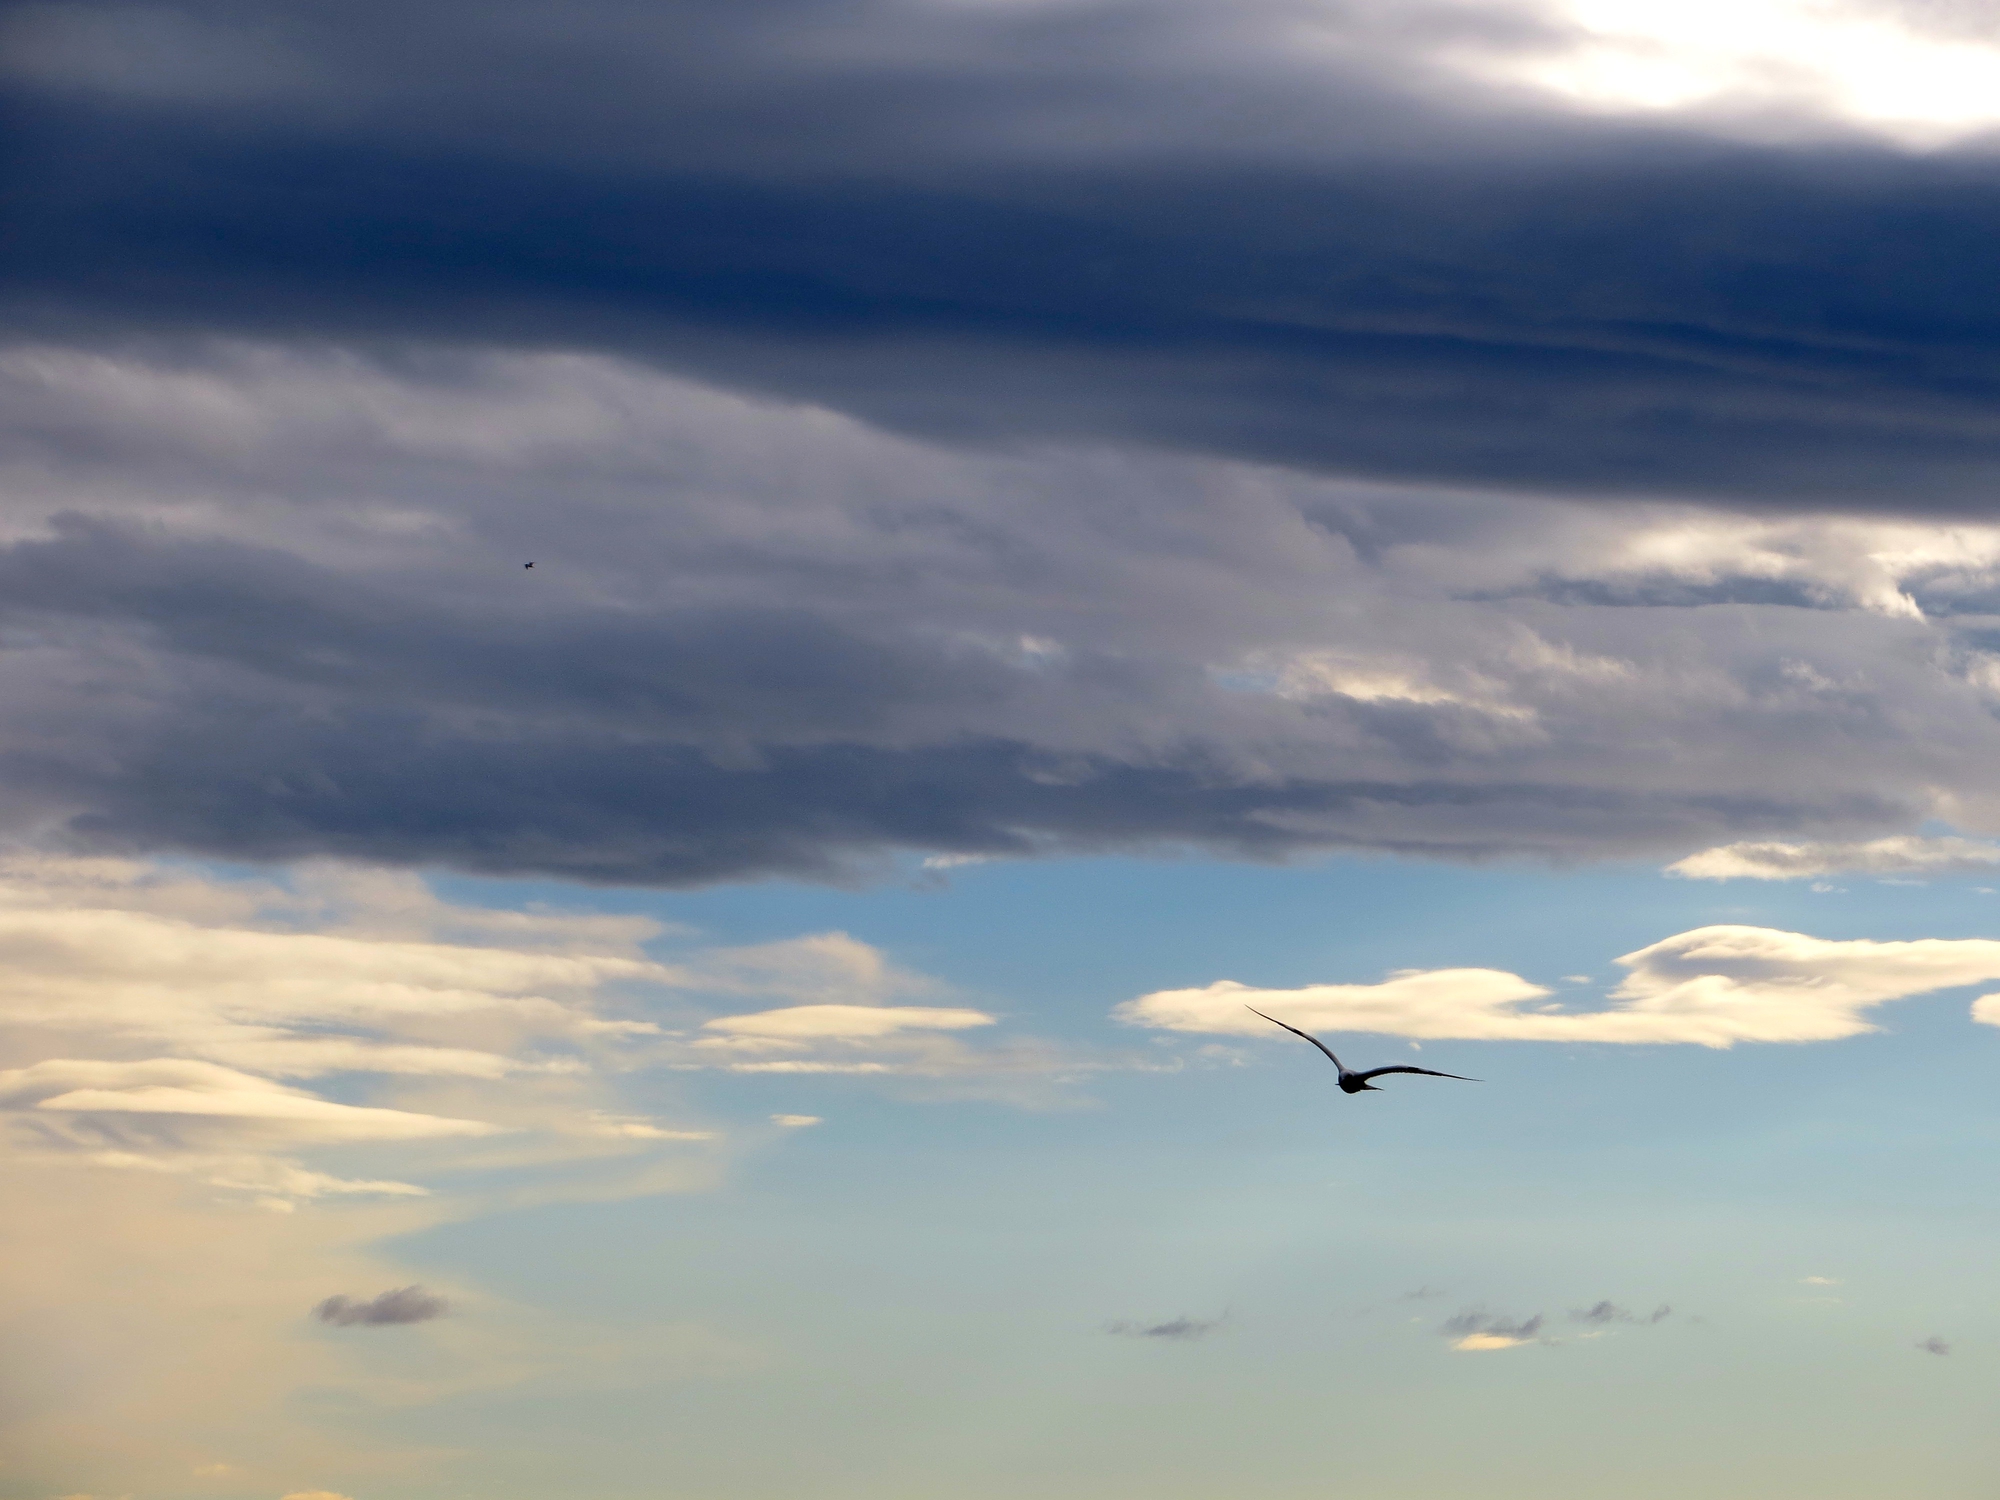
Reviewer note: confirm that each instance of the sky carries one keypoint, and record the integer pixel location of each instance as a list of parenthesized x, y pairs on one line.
[(675, 670)]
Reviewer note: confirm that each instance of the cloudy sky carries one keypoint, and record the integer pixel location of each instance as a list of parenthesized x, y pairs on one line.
[(1467, 525)]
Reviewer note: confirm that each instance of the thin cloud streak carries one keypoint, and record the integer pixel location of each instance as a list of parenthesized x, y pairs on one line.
[(1183, 1329)]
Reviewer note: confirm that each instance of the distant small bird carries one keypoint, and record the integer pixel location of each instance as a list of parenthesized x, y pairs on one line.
[(1354, 1083), (527, 565)]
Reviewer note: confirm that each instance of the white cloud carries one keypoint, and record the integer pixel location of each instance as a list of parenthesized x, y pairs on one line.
[(844, 1022), (155, 1019), (796, 1122), (1714, 986), (1903, 854)]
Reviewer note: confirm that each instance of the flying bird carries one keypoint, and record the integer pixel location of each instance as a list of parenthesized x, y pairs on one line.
[(527, 565), (1351, 1082)]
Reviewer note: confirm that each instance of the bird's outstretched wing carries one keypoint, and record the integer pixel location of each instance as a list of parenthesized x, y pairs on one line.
[(1399, 1068), (1307, 1035)]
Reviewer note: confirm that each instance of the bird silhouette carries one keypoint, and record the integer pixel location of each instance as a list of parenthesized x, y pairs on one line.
[(1350, 1081)]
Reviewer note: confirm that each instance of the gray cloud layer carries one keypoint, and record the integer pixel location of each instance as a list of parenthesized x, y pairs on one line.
[(268, 602)]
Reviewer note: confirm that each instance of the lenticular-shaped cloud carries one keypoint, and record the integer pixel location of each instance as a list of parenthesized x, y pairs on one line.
[(1713, 986), (172, 1086), (1901, 854)]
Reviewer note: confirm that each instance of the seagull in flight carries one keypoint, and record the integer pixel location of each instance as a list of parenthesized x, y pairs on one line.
[(1351, 1082)]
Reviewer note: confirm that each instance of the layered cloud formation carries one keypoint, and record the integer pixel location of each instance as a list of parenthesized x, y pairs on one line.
[(267, 602), (275, 1039)]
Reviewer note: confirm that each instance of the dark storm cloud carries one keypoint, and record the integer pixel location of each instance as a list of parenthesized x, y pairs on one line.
[(409, 1304), (323, 324), (1164, 224)]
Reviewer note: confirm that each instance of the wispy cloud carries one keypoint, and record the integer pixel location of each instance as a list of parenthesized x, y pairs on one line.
[(409, 1304), (1184, 1328)]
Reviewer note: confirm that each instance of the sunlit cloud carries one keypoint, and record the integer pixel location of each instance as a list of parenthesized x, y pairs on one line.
[(1479, 1332), (1713, 986), (1902, 854), (1873, 65)]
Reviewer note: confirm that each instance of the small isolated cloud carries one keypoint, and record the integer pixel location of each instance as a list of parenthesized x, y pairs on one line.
[(1713, 986), (795, 1122), (408, 1304), (1903, 855), (1819, 1281), (1934, 1345), (1178, 1328), (1602, 1314), (1477, 1332)]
